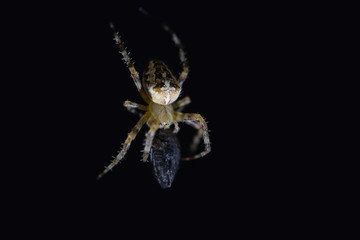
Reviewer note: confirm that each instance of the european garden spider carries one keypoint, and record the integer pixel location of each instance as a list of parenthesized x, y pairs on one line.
[(160, 90)]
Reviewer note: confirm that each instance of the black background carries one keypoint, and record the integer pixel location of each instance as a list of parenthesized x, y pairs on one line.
[(69, 119)]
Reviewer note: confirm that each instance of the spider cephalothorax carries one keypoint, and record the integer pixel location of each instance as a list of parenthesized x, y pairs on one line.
[(160, 90)]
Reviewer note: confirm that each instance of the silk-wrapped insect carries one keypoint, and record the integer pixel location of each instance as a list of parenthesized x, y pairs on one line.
[(165, 157)]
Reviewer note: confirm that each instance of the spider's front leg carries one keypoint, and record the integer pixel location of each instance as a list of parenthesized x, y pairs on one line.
[(130, 65), (183, 59), (198, 122), (127, 143)]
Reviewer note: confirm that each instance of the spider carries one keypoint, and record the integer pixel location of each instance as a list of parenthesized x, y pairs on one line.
[(160, 90)]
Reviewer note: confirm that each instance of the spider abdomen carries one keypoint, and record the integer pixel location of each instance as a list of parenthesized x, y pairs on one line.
[(159, 83)]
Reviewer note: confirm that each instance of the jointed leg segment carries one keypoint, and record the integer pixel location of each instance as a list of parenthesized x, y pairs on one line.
[(135, 107), (130, 104), (126, 145), (197, 120), (183, 59), (130, 65), (148, 142), (197, 137), (180, 104)]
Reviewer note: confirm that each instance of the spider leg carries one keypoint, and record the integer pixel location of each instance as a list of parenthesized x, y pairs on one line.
[(199, 121), (130, 65), (131, 136), (180, 104), (183, 59), (176, 128), (134, 107), (197, 137), (149, 139)]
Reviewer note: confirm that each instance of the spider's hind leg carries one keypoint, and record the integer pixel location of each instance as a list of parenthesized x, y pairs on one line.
[(197, 121), (196, 140)]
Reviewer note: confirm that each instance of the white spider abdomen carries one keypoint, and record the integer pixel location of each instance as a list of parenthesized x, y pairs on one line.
[(160, 84), (165, 94)]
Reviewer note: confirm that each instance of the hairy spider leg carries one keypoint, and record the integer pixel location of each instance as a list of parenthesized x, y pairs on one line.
[(183, 59), (130, 65), (198, 120), (180, 104), (131, 136), (134, 107), (130, 104), (149, 139), (197, 137)]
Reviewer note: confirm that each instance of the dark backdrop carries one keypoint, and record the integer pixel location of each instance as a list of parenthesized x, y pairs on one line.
[(69, 94)]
